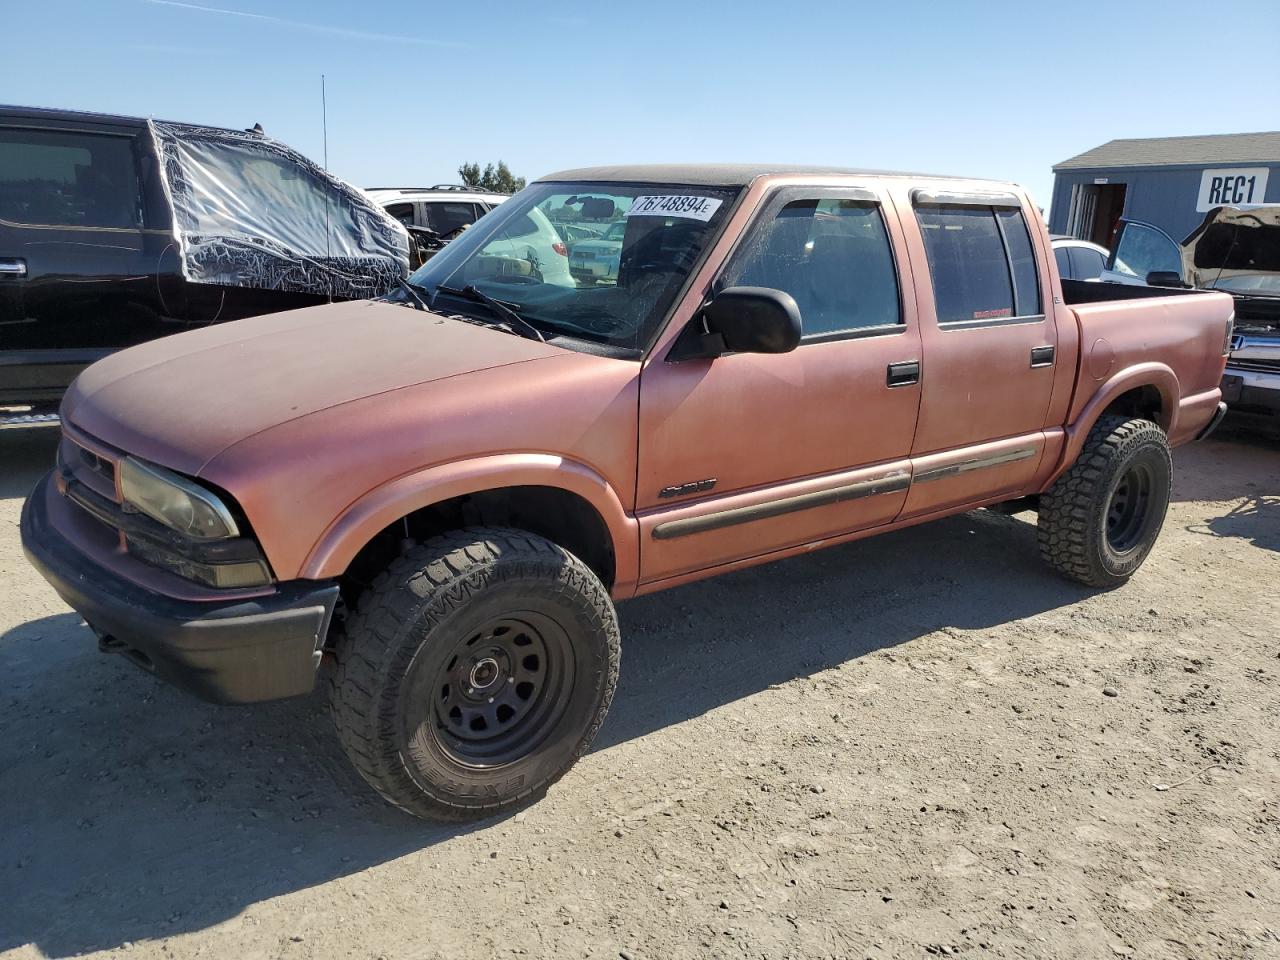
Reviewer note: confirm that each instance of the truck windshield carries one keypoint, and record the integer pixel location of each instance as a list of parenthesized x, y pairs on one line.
[(523, 254)]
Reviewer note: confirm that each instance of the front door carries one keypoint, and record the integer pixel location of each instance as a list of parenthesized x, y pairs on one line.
[(746, 454), (81, 272)]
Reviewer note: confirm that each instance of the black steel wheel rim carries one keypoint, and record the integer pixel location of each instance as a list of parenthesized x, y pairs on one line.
[(1129, 508), (502, 689)]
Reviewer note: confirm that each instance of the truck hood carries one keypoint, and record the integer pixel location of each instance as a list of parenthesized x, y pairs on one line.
[(181, 400), (1236, 249)]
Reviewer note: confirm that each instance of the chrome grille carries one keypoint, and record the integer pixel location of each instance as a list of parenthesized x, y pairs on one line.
[(1254, 366)]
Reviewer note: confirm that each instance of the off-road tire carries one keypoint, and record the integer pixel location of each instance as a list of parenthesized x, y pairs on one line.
[(386, 690), (1074, 532)]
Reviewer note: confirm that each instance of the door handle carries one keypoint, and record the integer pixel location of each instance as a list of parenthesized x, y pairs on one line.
[(1042, 356), (903, 374), (13, 267)]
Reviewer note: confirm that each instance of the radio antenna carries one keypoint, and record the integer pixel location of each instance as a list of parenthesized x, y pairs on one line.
[(324, 128)]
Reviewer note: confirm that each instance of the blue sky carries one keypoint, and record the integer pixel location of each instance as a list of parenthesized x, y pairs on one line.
[(415, 87)]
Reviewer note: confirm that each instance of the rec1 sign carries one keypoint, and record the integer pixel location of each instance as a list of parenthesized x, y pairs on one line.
[(1230, 188)]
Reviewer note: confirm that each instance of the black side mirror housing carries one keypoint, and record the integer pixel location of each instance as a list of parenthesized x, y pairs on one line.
[(750, 320), (1164, 278)]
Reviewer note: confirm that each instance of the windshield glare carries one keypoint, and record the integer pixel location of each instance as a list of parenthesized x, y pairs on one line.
[(597, 262)]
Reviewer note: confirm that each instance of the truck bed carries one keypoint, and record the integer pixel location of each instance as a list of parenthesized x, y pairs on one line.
[(1178, 337), (1092, 291)]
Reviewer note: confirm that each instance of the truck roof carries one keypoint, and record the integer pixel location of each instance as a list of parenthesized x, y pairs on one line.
[(720, 174), (56, 113)]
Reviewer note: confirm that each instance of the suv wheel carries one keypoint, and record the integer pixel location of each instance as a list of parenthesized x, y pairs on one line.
[(1100, 519), (475, 672)]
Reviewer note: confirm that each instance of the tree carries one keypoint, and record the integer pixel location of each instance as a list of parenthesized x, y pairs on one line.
[(498, 179)]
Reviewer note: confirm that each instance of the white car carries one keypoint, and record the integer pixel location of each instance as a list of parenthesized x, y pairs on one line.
[(443, 209), (1079, 259), (597, 259)]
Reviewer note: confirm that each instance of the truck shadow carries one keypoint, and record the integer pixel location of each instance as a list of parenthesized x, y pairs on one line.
[(26, 455), (134, 812), (1257, 520)]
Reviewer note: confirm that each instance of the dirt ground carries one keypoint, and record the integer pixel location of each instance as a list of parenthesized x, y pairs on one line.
[(921, 744)]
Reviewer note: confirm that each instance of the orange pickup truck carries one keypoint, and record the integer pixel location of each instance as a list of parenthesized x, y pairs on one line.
[(433, 500)]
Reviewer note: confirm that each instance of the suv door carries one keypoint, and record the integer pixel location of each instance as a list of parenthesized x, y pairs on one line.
[(990, 349), (87, 263), (747, 454), (1141, 250)]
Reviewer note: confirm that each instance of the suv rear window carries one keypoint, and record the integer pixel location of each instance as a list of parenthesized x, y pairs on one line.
[(981, 262), (52, 178)]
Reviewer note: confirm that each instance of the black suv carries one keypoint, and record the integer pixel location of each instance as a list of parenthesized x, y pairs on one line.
[(116, 230)]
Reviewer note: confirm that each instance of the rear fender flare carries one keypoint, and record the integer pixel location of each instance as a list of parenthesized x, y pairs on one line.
[(1150, 374), (382, 506)]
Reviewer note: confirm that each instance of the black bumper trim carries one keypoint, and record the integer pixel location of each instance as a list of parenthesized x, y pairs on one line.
[(232, 651), (1212, 425)]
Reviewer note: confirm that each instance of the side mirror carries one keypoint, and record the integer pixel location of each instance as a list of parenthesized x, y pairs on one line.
[(1164, 278), (751, 320)]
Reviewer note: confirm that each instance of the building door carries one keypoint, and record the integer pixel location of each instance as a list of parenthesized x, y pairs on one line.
[(1096, 209)]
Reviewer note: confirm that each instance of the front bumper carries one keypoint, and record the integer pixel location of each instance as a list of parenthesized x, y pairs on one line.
[(232, 651), (1251, 391)]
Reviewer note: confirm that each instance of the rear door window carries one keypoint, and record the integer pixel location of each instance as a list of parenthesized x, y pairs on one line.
[(833, 256), (981, 262), (59, 178), (449, 216), (1086, 263)]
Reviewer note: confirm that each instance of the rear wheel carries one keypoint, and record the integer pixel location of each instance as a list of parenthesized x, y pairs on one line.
[(1101, 518), (475, 672)]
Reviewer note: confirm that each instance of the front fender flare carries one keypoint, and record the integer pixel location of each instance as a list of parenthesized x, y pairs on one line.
[(382, 506), (1150, 374)]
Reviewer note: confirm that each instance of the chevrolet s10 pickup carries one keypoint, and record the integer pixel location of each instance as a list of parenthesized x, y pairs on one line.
[(433, 500)]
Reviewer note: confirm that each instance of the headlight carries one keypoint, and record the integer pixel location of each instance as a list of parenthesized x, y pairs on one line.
[(174, 501)]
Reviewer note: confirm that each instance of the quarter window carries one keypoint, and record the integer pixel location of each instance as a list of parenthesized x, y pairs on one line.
[(833, 256), (1086, 264), (402, 212), (1022, 262), (1064, 264), (981, 263), (52, 178)]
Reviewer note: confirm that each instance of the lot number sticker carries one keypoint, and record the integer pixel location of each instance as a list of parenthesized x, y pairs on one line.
[(691, 208), (1230, 188)]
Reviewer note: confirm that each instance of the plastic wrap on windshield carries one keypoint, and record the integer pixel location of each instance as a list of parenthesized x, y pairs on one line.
[(250, 212)]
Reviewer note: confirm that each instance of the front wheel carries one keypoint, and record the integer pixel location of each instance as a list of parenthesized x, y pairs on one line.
[(475, 672), (1101, 518)]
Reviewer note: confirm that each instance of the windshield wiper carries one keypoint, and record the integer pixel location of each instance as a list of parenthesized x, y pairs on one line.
[(412, 291), (513, 321)]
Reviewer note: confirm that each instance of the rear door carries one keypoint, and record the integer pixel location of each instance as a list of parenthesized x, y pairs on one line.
[(990, 349), (747, 454), (86, 256), (1141, 250)]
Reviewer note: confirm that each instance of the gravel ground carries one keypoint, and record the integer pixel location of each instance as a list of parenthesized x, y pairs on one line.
[(921, 744)]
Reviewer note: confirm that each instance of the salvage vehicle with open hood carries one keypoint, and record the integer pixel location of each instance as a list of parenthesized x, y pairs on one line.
[(438, 515), (118, 230), (1235, 250)]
